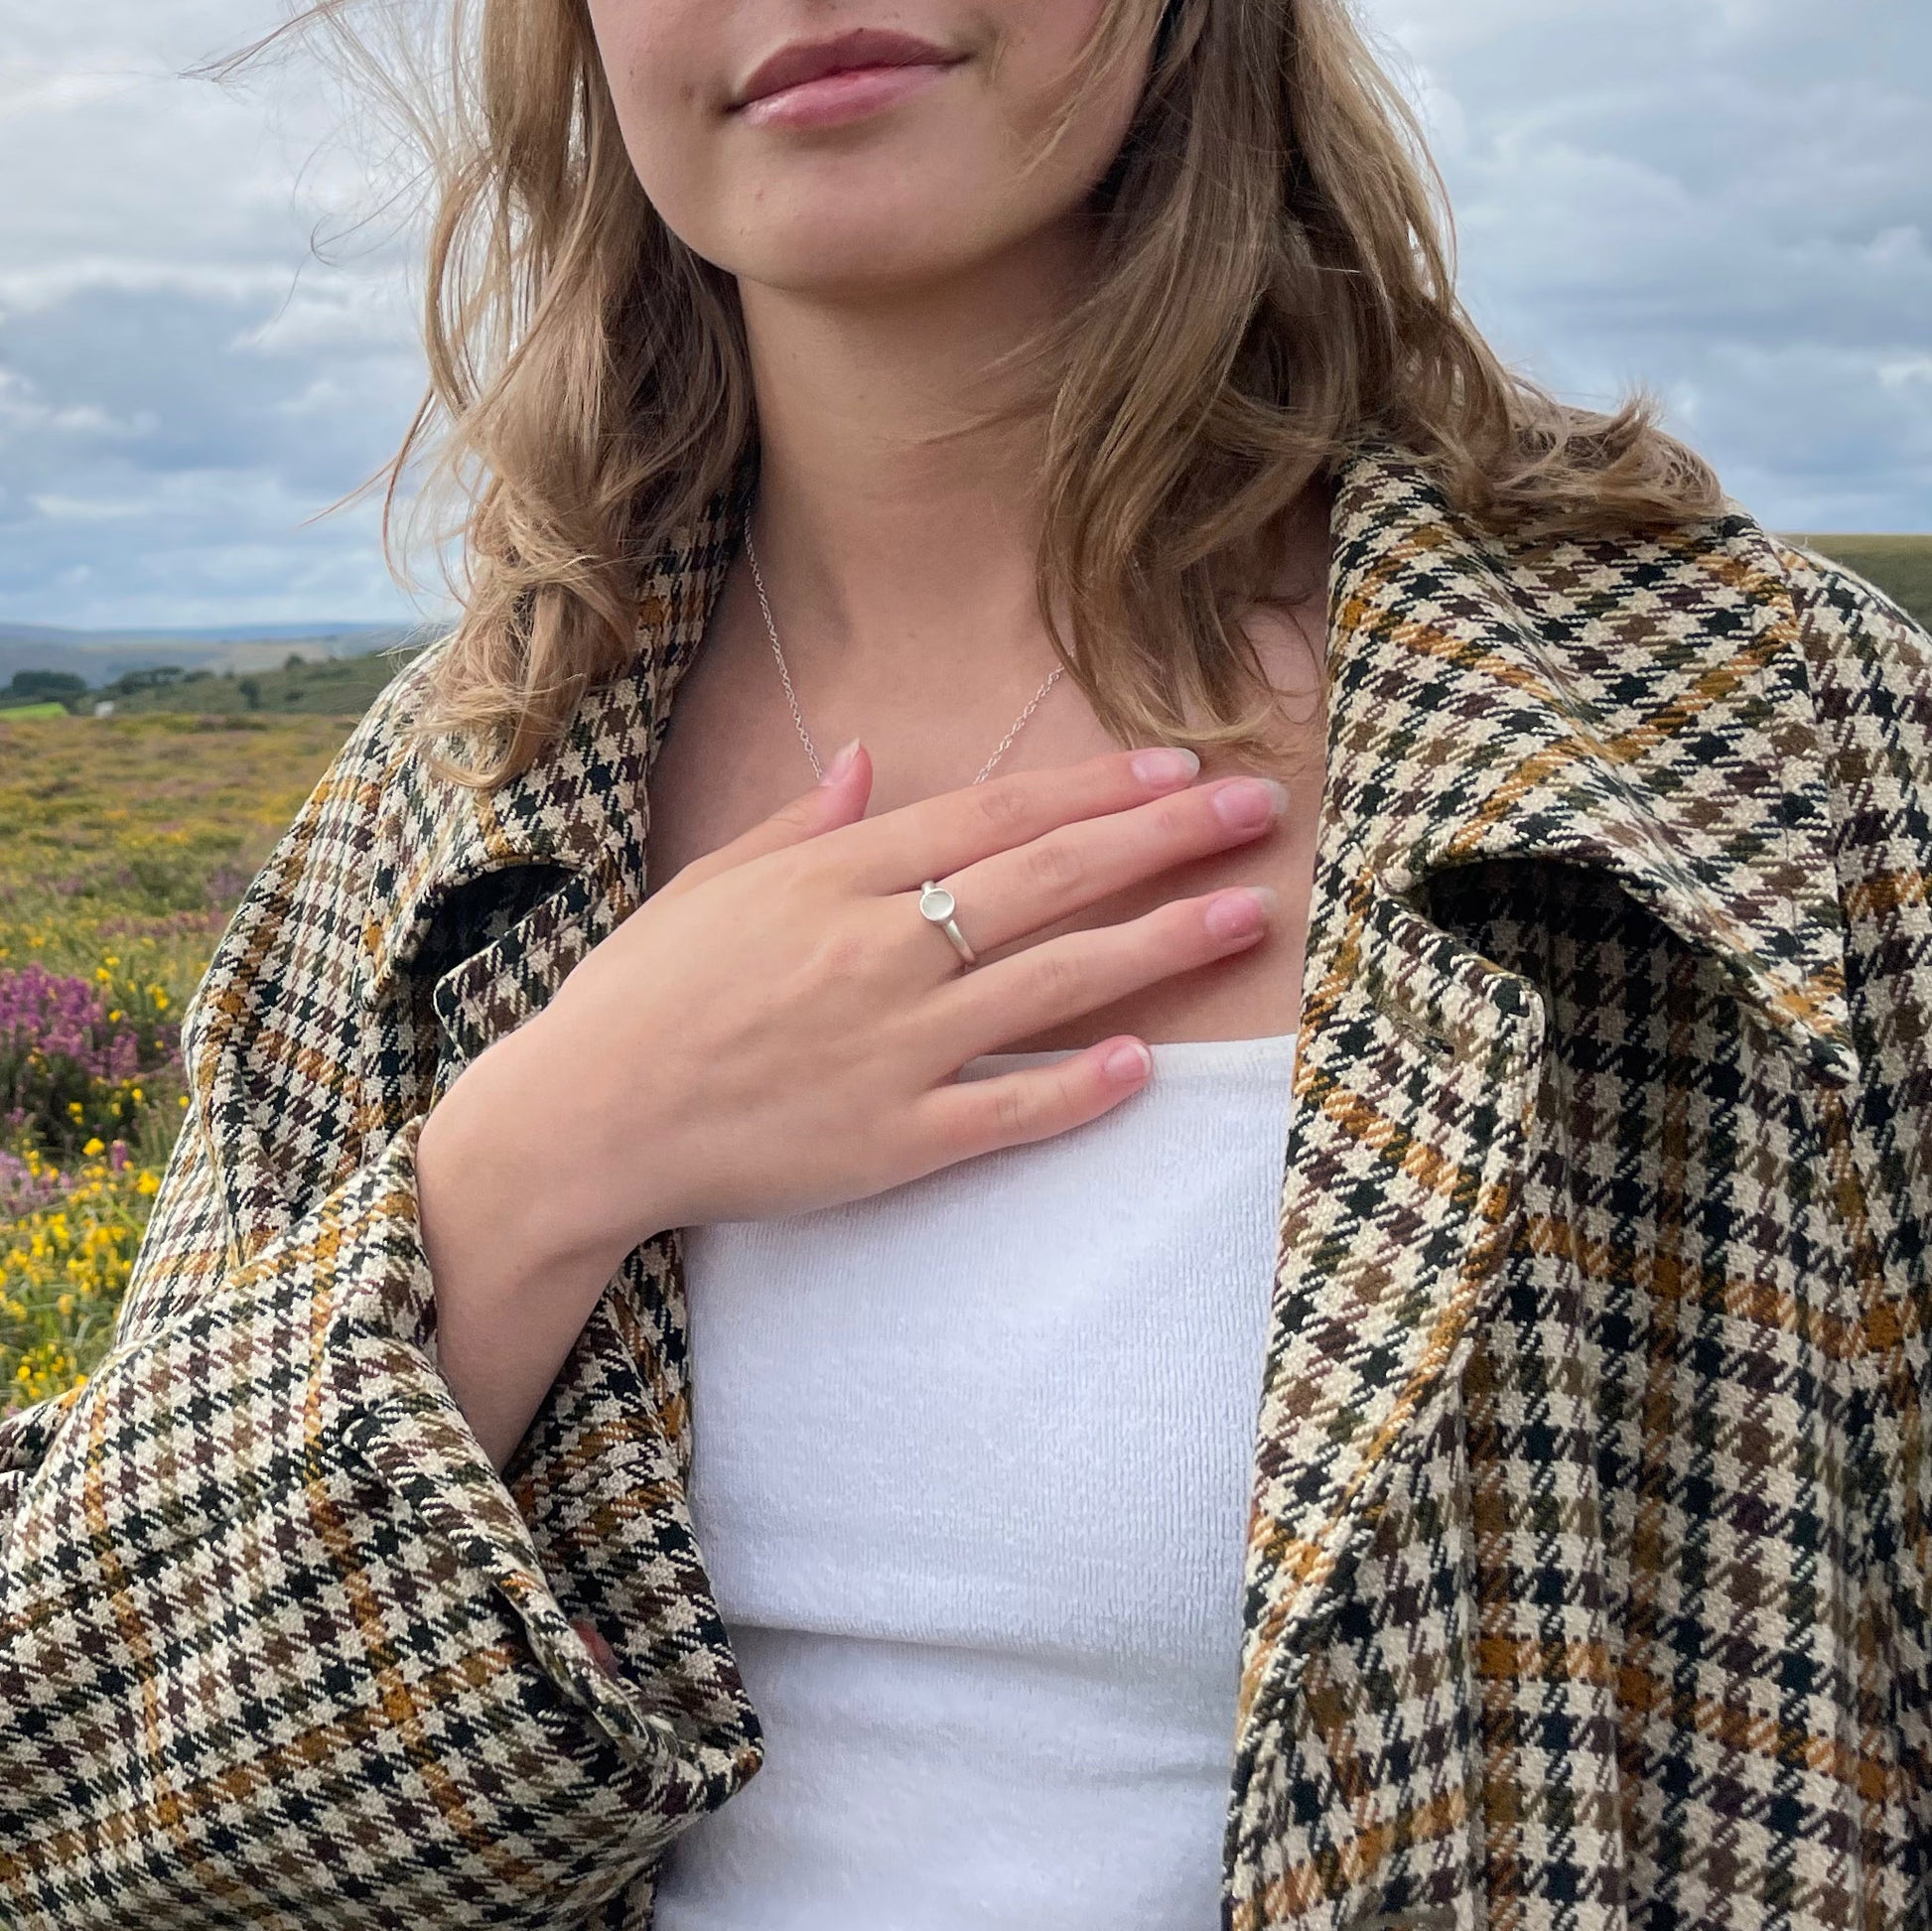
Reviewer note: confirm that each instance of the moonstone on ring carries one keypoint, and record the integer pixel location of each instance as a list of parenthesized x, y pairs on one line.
[(936, 903)]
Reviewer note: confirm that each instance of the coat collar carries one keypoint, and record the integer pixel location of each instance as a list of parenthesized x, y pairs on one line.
[(1638, 706), (1634, 705), (582, 806)]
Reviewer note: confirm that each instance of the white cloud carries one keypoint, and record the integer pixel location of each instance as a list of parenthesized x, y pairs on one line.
[(1728, 200), (183, 383)]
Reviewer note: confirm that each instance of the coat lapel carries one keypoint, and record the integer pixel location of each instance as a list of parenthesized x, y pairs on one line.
[(1635, 707)]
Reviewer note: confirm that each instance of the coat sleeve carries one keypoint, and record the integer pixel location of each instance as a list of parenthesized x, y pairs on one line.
[(1870, 670), (1869, 663), (278, 1647)]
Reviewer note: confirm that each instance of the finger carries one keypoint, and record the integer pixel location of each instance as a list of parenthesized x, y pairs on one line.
[(838, 799), (976, 1116), (901, 849), (1061, 978), (1010, 893)]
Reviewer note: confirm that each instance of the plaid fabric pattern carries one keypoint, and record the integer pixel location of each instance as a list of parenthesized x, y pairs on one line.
[(1588, 1579)]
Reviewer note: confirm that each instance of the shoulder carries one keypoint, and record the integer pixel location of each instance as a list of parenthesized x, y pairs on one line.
[(1834, 586), (1840, 610), (1858, 662), (380, 806), (1726, 575), (1868, 664), (382, 739), (1614, 596)]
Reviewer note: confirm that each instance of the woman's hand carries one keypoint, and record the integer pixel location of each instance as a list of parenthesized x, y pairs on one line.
[(778, 1028)]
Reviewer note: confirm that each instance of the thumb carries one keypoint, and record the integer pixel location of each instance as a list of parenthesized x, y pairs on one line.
[(838, 798)]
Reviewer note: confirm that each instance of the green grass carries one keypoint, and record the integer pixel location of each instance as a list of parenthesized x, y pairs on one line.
[(10, 712), (137, 834), (1900, 566)]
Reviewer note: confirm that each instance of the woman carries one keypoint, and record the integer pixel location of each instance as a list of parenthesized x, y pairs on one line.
[(618, 1322)]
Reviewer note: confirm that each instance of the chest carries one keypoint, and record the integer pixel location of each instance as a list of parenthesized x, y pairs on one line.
[(946, 1413), (1539, 1351), (942, 1493), (733, 757)]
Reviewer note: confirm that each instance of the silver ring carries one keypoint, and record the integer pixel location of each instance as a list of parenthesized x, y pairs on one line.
[(936, 903)]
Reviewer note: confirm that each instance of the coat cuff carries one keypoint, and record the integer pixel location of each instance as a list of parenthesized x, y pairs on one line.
[(275, 1636)]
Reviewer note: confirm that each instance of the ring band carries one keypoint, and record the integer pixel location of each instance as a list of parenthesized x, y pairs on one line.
[(937, 906)]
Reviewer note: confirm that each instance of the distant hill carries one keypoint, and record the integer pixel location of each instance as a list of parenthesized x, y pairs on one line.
[(211, 633), (338, 687), (101, 656)]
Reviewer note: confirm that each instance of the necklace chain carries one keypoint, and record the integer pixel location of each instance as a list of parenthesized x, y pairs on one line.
[(799, 717)]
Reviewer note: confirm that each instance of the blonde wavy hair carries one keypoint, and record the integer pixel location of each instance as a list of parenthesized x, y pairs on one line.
[(1274, 284)]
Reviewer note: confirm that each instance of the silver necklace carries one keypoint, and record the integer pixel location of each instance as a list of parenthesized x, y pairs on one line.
[(797, 716)]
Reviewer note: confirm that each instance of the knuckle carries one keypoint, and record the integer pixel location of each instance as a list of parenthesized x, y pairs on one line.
[(1013, 1109), (1002, 807), (841, 956), (1182, 924), (1053, 865), (800, 814), (1055, 977), (813, 870)]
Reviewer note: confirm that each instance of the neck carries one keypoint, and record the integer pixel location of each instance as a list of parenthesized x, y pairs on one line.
[(894, 537)]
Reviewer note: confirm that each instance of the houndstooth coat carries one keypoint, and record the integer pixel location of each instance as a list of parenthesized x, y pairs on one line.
[(1588, 1579)]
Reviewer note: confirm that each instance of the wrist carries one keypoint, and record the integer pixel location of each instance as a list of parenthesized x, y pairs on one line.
[(507, 1185)]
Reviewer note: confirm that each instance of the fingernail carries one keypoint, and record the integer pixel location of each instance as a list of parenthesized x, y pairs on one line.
[(1130, 1061), (1248, 804), (1165, 768), (1240, 912), (842, 763)]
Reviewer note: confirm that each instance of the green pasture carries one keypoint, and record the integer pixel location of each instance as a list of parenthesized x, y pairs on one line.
[(333, 687)]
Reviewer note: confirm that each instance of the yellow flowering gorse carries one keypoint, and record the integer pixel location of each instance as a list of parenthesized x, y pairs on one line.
[(64, 1269)]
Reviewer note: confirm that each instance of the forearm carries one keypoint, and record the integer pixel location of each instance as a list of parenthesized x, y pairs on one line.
[(514, 1282)]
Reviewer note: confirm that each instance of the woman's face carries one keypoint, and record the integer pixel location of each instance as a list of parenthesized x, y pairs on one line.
[(916, 178)]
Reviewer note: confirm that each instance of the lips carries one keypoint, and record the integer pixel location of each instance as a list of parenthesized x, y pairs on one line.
[(864, 46)]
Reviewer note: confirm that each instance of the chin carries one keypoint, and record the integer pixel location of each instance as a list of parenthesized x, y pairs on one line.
[(840, 257)]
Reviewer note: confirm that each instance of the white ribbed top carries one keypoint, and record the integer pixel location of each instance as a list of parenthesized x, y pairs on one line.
[(971, 1468)]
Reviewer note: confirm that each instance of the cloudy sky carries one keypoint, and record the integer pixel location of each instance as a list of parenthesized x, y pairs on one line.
[(1730, 200)]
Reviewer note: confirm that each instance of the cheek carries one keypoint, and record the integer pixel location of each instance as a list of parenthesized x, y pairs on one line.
[(1024, 54), (1033, 45), (662, 61), (1040, 44)]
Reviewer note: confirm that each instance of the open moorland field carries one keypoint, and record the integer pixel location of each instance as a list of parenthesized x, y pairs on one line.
[(124, 845)]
